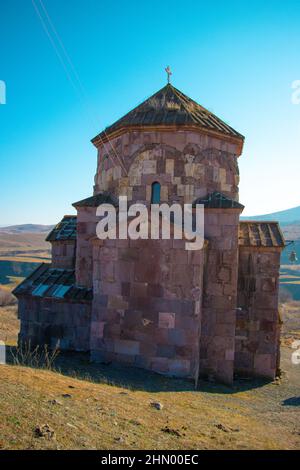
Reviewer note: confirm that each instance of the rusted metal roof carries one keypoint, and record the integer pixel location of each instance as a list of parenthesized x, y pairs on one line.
[(260, 234), (53, 283), (170, 107), (217, 200), (95, 201), (64, 230)]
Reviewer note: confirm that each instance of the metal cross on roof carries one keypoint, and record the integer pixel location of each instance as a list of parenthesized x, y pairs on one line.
[(169, 73)]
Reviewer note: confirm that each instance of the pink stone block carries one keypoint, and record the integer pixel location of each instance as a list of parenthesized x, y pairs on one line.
[(159, 364), (229, 355), (224, 274), (126, 346), (166, 320), (97, 329), (262, 366), (179, 367)]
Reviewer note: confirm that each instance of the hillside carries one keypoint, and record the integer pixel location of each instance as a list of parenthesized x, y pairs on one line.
[(106, 406), (16, 244), (26, 228), (20, 254), (47, 410), (285, 217)]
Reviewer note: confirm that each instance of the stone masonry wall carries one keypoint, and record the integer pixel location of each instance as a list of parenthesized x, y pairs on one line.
[(187, 164), (51, 321), (220, 294), (258, 327), (63, 254), (86, 231), (147, 305)]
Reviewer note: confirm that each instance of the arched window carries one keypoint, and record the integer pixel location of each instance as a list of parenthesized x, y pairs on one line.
[(155, 193)]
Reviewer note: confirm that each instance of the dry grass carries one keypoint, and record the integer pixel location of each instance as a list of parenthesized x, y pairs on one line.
[(291, 320), (89, 415), (23, 241), (9, 325), (30, 258), (6, 298), (39, 357), (291, 282), (99, 416), (24, 247)]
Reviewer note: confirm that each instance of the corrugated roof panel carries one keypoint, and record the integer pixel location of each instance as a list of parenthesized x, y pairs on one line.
[(53, 283), (64, 230), (260, 234)]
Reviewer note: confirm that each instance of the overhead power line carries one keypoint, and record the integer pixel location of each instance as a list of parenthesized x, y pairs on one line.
[(71, 71)]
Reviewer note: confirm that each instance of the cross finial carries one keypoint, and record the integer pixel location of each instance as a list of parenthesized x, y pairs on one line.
[(169, 73)]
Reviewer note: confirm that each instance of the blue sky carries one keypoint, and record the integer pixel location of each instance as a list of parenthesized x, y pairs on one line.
[(237, 58)]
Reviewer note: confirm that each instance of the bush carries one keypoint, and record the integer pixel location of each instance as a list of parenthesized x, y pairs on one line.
[(6, 298)]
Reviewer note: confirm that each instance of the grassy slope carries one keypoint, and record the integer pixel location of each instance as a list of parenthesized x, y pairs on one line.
[(25, 246), (20, 254), (23, 240), (119, 416), (9, 325), (109, 417)]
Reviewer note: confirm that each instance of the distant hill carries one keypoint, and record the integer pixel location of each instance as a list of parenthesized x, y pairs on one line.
[(26, 228), (286, 217)]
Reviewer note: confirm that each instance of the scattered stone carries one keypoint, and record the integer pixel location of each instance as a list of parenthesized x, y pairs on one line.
[(135, 422), (55, 402), (71, 386), (157, 405), (123, 393), (119, 439), (225, 428), (71, 425), (44, 431), (66, 395), (174, 432), (277, 381)]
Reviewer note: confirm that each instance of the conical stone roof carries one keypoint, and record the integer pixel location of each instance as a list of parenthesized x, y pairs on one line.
[(169, 107)]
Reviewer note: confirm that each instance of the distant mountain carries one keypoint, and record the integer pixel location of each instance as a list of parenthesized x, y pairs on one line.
[(286, 217), (26, 228)]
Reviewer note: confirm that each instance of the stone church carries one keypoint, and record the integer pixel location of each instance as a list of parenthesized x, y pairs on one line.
[(151, 303)]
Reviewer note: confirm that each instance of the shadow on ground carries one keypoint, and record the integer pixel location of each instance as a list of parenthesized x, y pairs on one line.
[(78, 365), (292, 401)]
